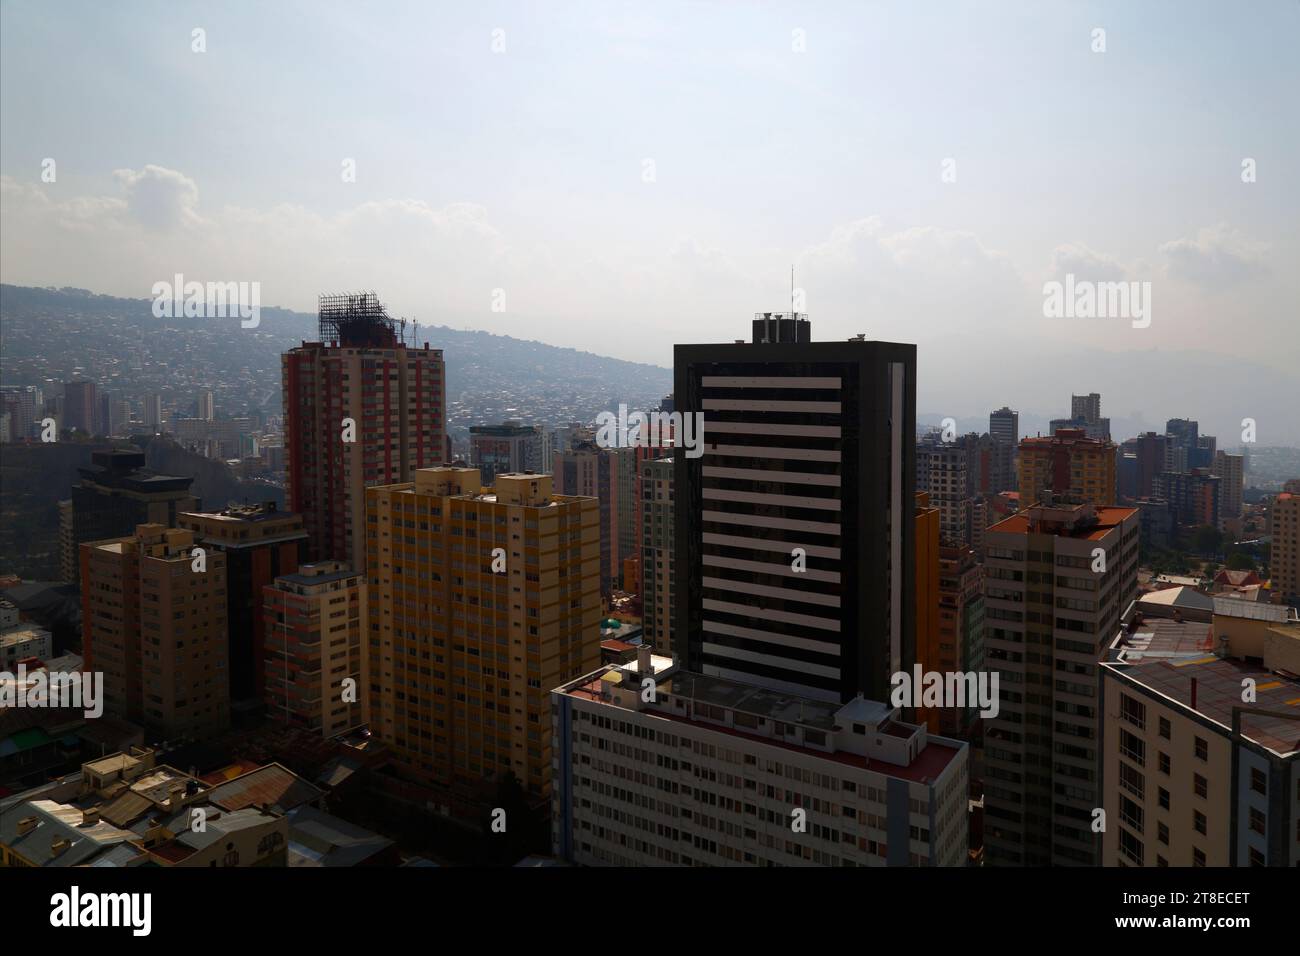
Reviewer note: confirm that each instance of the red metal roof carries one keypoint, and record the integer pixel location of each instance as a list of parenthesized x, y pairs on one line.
[(272, 785)]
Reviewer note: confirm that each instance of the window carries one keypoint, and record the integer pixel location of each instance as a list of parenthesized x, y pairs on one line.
[(1164, 763), (1202, 749), (1258, 781), (1133, 747), (1257, 821), (1131, 780), (1164, 798), (1165, 730), (1198, 857), (1130, 813), (1200, 785), (1134, 711), (1162, 833), (1130, 846), (1256, 858), (1198, 821)]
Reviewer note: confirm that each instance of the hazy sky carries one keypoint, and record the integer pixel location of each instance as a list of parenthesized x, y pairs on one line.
[(634, 175)]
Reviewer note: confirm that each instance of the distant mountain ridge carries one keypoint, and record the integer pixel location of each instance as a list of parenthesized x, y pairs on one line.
[(299, 326), (61, 333), (52, 333)]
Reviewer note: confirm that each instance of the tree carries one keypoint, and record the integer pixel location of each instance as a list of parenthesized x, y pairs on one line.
[(1240, 561), (1207, 540)]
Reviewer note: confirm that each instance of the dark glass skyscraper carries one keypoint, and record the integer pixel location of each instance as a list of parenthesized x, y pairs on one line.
[(114, 495), (794, 528)]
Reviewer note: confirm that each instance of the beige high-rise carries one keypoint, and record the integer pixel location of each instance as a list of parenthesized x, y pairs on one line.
[(591, 471), (1284, 527), (481, 600), (1057, 582), (154, 622), (1230, 469), (1192, 774), (657, 553), (313, 648), (1068, 466)]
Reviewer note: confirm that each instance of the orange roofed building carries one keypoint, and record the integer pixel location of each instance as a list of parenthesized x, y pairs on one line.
[(1058, 580), (1069, 466)]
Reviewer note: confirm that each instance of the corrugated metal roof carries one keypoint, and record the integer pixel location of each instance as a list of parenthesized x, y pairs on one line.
[(273, 785), (124, 854), (229, 772), (1231, 607), (56, 821), (126, 809), (318, 839)]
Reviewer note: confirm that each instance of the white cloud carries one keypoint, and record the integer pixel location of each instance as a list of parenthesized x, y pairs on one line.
[(1216, 256), (412, 253), (913, 284), (1085, 264), (960, 298), (160, 198)]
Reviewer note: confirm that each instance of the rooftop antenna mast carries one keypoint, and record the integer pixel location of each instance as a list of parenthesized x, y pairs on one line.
[(792, 290)]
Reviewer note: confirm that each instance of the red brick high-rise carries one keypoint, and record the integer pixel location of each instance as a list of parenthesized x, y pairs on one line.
[(395, 396)]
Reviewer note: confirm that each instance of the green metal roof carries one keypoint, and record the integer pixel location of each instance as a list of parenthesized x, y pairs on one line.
[(28, 739)]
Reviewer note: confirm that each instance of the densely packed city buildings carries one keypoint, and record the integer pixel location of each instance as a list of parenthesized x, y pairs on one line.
[(766, 648)]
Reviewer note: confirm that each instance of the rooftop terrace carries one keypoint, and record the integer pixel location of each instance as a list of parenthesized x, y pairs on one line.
[(716, 703), (1177, 660)]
